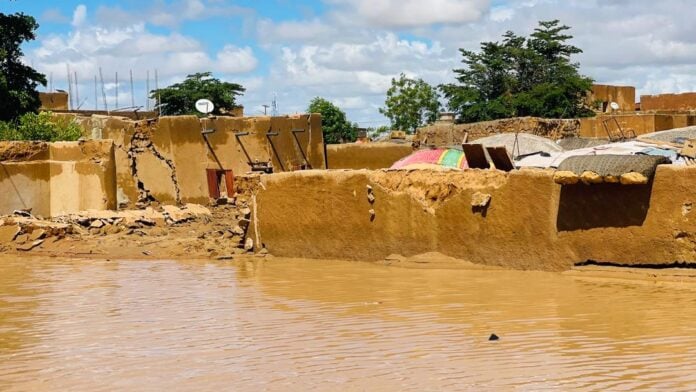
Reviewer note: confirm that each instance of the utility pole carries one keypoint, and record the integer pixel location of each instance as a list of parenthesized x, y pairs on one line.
[(265, 109)]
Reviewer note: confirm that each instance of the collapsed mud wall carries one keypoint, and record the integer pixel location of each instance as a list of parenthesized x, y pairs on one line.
[(518, 220), (444, 134), (166, 160), (366, 155), (57, 178)]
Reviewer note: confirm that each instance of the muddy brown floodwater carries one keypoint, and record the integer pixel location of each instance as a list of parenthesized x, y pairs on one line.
[(287, 325)]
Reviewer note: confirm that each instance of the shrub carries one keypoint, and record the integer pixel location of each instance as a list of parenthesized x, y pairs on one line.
[(41, 127)]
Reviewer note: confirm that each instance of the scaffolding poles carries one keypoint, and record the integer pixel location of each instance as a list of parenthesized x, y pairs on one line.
[(107, 104)]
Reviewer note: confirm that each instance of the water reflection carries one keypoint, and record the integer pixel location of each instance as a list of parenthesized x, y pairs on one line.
[(299, 325)]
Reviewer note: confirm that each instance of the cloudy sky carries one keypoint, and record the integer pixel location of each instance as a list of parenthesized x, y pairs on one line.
[(344, 50)]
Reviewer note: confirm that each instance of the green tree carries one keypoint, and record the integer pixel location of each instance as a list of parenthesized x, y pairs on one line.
[(180, 98), (379, 131), (410, 103), (18, 82), (521, 76), (334, 124)]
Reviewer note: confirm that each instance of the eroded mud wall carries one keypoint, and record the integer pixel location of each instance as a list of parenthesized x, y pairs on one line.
[(58, 178), (449, 134), (366, 155), (165, 160), (529, 223)]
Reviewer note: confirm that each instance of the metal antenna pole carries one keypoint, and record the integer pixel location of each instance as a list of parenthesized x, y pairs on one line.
[(96, 95), (147, 91), (70, 93), (159, 105), (132, 95), (101, 78), (50, 82), (116, 107), (77, 93)]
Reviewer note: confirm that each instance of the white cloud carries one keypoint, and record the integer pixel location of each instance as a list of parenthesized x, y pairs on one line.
[(269, 31), (79, 16), (169, 13), (232, 59), (412, 13), (349, 52)]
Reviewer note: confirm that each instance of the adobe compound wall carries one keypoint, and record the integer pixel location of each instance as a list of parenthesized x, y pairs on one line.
[(443, 134), (641, 123), (366, 155), (529, 223), (685, 101), (165, 160), (57, 178)]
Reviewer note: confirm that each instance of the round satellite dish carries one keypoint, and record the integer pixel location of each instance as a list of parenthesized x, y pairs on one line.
[(204, 106), (614, 106)]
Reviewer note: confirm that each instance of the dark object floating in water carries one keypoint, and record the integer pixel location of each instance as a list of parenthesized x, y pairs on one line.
[(493, 337)]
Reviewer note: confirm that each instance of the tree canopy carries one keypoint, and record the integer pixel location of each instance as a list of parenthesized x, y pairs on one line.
[(410, 103), (521, 76), (334, 124), (18, 82), (180, 98)]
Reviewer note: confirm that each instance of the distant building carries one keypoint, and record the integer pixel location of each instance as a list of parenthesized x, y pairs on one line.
[(603, 95)]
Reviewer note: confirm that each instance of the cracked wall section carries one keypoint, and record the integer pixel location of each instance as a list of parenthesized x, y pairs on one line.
[(165, 160)]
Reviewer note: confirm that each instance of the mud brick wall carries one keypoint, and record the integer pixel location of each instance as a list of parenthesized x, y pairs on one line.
[(527, 222), (165, 160), (366, 155), (57, 178)]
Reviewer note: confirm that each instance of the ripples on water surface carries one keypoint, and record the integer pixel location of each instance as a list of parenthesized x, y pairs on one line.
[(313, 325)]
